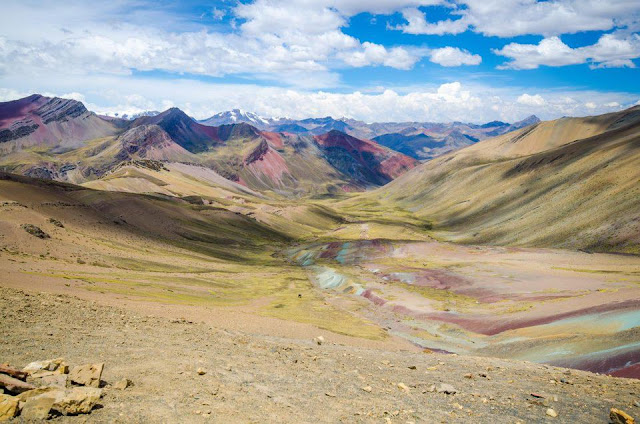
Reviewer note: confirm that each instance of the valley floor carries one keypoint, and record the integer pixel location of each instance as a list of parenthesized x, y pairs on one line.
[(257, 378), (159, 286)]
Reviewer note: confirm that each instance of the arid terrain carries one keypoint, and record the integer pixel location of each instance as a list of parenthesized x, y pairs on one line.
[(256, 378), (209, 286)]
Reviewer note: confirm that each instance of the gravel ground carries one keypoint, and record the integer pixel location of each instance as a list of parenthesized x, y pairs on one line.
[(256, 378)]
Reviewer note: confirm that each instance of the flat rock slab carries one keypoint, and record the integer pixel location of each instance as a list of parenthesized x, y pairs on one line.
[(8, 407), (87, 375), (77, 400)]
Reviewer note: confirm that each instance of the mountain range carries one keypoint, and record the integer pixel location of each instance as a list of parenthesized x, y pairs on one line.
[(420, 140), (60, 139)]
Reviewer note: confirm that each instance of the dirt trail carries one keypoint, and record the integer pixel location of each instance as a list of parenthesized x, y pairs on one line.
[(253, 378)]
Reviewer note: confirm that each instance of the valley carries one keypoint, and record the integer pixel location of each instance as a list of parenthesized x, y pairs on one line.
[(522, 247)]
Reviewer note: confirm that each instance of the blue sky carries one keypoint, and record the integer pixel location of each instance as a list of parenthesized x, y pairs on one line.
[(376, 60)]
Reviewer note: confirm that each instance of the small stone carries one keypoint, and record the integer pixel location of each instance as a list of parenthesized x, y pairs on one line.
[(367, 389), (412, 367), (46, 365), (8, 407), (122, 384), (446, 389), (201, 371), (319, 340), (87, 375), (618, 416), (552, 413), (468, 376), (330, 394), (403, 387), (432, 388), (636, 403), (37, 408)]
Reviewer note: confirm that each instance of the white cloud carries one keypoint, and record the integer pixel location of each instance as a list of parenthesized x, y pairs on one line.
[(298, 41), (454, 101), (535, 100), (508, 18), (375, 54), (611, 50), (417, 24), (453, 56)]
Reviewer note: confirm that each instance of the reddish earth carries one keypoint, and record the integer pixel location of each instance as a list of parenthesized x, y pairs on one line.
[(263, 160), (19, 109), (375, 163), (488, 328), (274, 139), (397, 165)]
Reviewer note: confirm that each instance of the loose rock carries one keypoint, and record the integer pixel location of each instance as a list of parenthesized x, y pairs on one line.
[(122, 384), (37, 408), (552, 413), (87, 375), (447, 389), (78, 400), (46, 365), (319, 340), (618, 416), (8, 407), (404, 387)]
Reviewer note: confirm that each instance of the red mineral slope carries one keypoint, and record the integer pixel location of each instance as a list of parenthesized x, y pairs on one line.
[(39, 120), (364, 160)]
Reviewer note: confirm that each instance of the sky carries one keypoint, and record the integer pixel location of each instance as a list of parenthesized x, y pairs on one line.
[(374, 60)]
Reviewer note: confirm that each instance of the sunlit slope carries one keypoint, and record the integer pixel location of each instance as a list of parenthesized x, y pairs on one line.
[(571, 183), (165, 249)]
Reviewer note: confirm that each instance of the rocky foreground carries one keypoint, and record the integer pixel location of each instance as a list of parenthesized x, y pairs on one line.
[(185, 371)]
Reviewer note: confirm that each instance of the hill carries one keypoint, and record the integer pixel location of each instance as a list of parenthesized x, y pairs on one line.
[(43, 121), (569, 183)]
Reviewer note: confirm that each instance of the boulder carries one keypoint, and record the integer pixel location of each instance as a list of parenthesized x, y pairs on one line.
[(76, 400), (87, 375), (37, 408), (54, 380), (8, 407)]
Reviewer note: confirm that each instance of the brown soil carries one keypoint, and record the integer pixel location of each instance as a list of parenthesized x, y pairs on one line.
[(258, 378)]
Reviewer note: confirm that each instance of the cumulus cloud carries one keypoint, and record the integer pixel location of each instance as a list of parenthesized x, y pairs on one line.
[(453, 56), (509, 18), (417, 24), (453, 101), (371, 54), (611, 50), (535, 100), (298, 41)]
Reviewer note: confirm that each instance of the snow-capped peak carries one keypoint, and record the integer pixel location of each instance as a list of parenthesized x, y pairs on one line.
[(235, 116)]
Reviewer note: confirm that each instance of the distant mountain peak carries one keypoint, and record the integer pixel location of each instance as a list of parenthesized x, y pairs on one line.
[(236, 116), (529, 120)]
